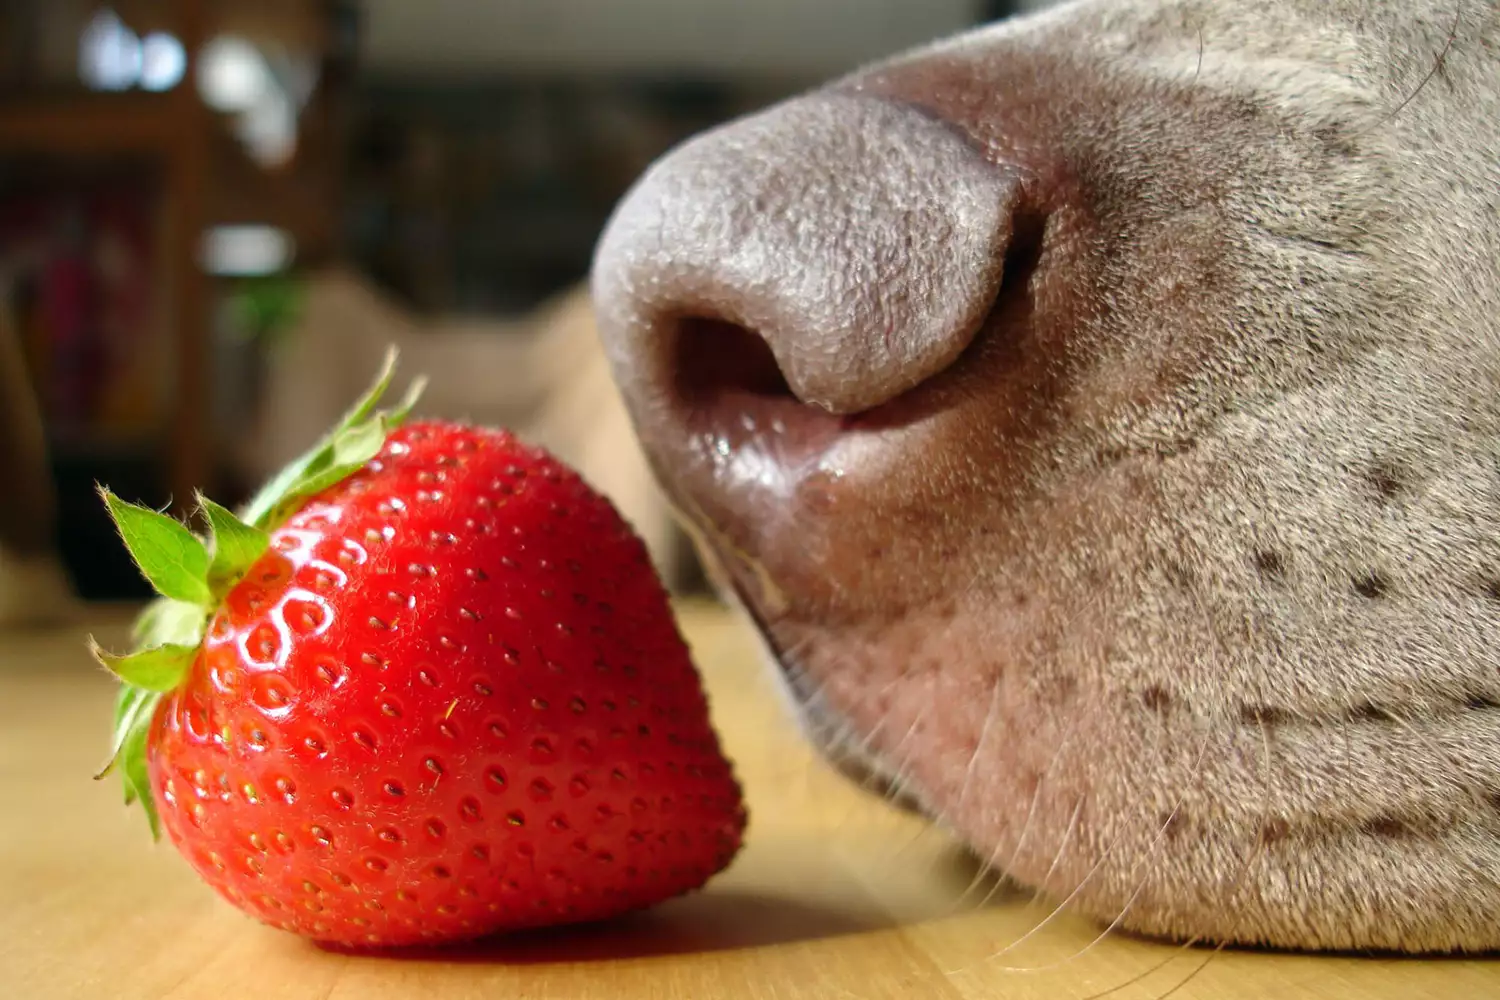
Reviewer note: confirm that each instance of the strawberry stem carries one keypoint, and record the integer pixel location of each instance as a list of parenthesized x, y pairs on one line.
[(355, 440)]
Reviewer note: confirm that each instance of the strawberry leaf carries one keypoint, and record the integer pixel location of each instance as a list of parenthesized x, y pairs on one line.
[(236, 546), (134, 768), (403, 409), (134, 709), (170, 557), (126, 702), (158, 668), (350, 451), (169, 622), (332, 458)]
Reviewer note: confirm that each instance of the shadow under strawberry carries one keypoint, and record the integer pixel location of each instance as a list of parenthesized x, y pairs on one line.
[(726, 920)]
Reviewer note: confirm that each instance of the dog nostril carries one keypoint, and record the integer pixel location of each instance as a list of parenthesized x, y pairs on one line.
[(731, 392), (714, 359)]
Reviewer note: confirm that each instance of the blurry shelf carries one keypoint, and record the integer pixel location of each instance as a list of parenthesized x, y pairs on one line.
[(209, 180), (174, 129), (91, 125)]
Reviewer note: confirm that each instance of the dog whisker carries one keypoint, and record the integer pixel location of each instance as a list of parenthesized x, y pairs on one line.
[(1437, 64), (1098, 866), (1250, 858), (1158, 839), (1260, 835), (1063, 743), (1025, 826), (1193, 941), (991, 713)]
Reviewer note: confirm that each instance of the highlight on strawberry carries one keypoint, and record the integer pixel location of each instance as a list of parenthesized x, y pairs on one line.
[(425, 686)]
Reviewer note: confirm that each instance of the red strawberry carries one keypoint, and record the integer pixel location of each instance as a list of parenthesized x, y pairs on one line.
[(429, 688)]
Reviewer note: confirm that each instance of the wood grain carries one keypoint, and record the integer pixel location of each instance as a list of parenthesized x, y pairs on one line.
[(835, 896)]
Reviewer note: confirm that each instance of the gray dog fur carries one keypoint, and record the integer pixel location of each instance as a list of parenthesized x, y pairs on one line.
[(1174, 588)]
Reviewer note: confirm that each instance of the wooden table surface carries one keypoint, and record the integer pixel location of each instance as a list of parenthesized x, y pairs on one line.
[(835, 895)]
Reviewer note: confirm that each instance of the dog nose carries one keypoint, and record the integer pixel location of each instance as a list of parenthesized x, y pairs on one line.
[(841, 247)]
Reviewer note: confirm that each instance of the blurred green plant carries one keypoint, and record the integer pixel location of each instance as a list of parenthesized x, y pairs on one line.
[(265, 308)]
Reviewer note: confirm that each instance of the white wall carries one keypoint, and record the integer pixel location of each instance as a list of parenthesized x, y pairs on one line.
[(753, 37)]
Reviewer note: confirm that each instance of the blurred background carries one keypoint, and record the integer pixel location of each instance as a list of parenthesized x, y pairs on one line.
[(215, 213)]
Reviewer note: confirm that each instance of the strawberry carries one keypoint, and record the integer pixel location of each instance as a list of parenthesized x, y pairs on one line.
[(426, 688)]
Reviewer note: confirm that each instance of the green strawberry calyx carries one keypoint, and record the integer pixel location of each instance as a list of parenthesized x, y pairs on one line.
[(192, 573)]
